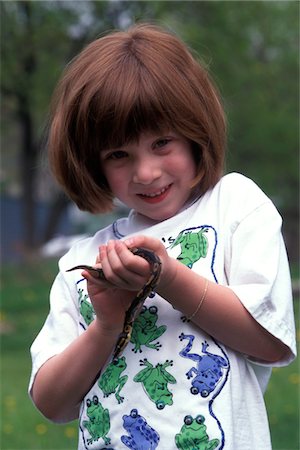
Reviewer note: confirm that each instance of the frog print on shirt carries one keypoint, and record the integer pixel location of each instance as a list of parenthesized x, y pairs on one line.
[(193, 435), (193, 245), (209, 370), (155, 382), (145, 330), (98, 424), (85, 307), (141, 435), (111, 381)]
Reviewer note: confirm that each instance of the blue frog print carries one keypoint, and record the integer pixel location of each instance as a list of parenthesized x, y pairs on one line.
[(209, 370), (141, 435)]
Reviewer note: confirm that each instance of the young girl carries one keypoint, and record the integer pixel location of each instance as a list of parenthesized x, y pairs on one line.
[(136, 117)]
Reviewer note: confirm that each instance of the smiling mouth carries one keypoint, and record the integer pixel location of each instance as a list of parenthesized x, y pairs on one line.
[(156, 196)]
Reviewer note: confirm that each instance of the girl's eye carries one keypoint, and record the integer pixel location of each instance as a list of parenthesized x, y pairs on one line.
[(118, 154), (161, 143)]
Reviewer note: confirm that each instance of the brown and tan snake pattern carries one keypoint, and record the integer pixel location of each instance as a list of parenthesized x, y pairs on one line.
[(138, 300)]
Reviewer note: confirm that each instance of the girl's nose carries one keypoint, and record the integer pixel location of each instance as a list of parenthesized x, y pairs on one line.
[(146, 171)]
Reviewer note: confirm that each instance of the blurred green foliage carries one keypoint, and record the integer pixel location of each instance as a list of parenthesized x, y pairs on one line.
[(250, 47), (253, 49)]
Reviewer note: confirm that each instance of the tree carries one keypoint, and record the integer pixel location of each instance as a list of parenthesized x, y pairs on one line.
[(37, 40), (28, 55), (251, 49)]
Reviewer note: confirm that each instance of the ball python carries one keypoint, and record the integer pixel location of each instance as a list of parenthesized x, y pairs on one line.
[(134, 308)]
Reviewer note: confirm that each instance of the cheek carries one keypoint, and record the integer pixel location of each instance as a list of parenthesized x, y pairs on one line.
[(116, 181), (185, 166)]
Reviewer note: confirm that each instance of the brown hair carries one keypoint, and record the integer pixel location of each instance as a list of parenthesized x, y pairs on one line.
[(122, 84)]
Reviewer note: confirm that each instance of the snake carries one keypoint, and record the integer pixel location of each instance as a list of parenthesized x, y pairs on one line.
[(137, 302)]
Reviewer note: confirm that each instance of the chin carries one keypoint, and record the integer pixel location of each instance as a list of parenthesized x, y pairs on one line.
[(160, 216)]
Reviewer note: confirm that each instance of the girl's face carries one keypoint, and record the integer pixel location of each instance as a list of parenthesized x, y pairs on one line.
[(152, 176)]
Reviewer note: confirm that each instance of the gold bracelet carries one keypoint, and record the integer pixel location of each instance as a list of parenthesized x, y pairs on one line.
[(201, 301)]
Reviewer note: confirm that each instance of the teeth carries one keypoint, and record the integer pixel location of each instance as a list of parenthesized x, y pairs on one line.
[(156, 193)]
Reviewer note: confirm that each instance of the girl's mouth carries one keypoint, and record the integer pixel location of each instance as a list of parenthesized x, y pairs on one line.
[(156, 197)]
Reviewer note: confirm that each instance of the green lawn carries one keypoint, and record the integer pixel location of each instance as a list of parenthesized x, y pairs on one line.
[(24, 305)]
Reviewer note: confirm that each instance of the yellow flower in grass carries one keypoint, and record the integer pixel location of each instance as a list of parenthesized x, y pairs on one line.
[(289, 409), (8, 428), (70, 432), (294, 378), (10, 402), (41, 428), (29, 296)]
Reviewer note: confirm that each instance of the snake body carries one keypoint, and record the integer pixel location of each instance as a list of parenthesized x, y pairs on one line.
[(138, 300)]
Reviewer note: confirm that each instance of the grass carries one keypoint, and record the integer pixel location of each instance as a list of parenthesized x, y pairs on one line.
[(282, 400), (24, 306)]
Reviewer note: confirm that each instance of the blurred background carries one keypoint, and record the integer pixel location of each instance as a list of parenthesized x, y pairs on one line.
[(252, 51)]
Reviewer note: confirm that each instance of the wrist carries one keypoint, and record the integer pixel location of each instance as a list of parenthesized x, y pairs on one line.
[(168, 276), (101, 330)]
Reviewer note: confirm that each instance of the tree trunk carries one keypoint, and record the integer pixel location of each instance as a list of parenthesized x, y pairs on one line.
[(28, 148)]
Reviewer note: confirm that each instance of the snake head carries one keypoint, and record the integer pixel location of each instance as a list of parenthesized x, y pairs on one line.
[(96, 272)]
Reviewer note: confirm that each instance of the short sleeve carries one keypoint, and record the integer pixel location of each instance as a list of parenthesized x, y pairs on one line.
[(60, 327), (258, 272)]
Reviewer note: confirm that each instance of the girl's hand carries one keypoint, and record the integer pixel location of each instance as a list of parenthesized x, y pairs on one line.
[(122, 268), (169, 265), (126, 274)]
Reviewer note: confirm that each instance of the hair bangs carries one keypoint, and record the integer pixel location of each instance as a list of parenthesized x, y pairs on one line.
[(130, 103)]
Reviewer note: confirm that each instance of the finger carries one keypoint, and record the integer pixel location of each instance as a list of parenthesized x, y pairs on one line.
[(129, 266), (134, 263), (112, 266), (143, 241), (96, 281), (122, 268), (98, 258)]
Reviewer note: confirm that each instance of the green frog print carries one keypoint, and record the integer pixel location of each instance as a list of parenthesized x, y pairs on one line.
[(98, 424), (141, 435), (155, 382), (145, 330), (193, 435), (86, 308), (111, 381), (193, 245)]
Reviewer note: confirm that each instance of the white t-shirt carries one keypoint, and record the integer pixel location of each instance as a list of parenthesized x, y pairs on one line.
[(175, 386)]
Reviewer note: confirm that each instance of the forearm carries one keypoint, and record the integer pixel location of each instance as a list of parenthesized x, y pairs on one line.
[(222, 315), (62, 382)]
